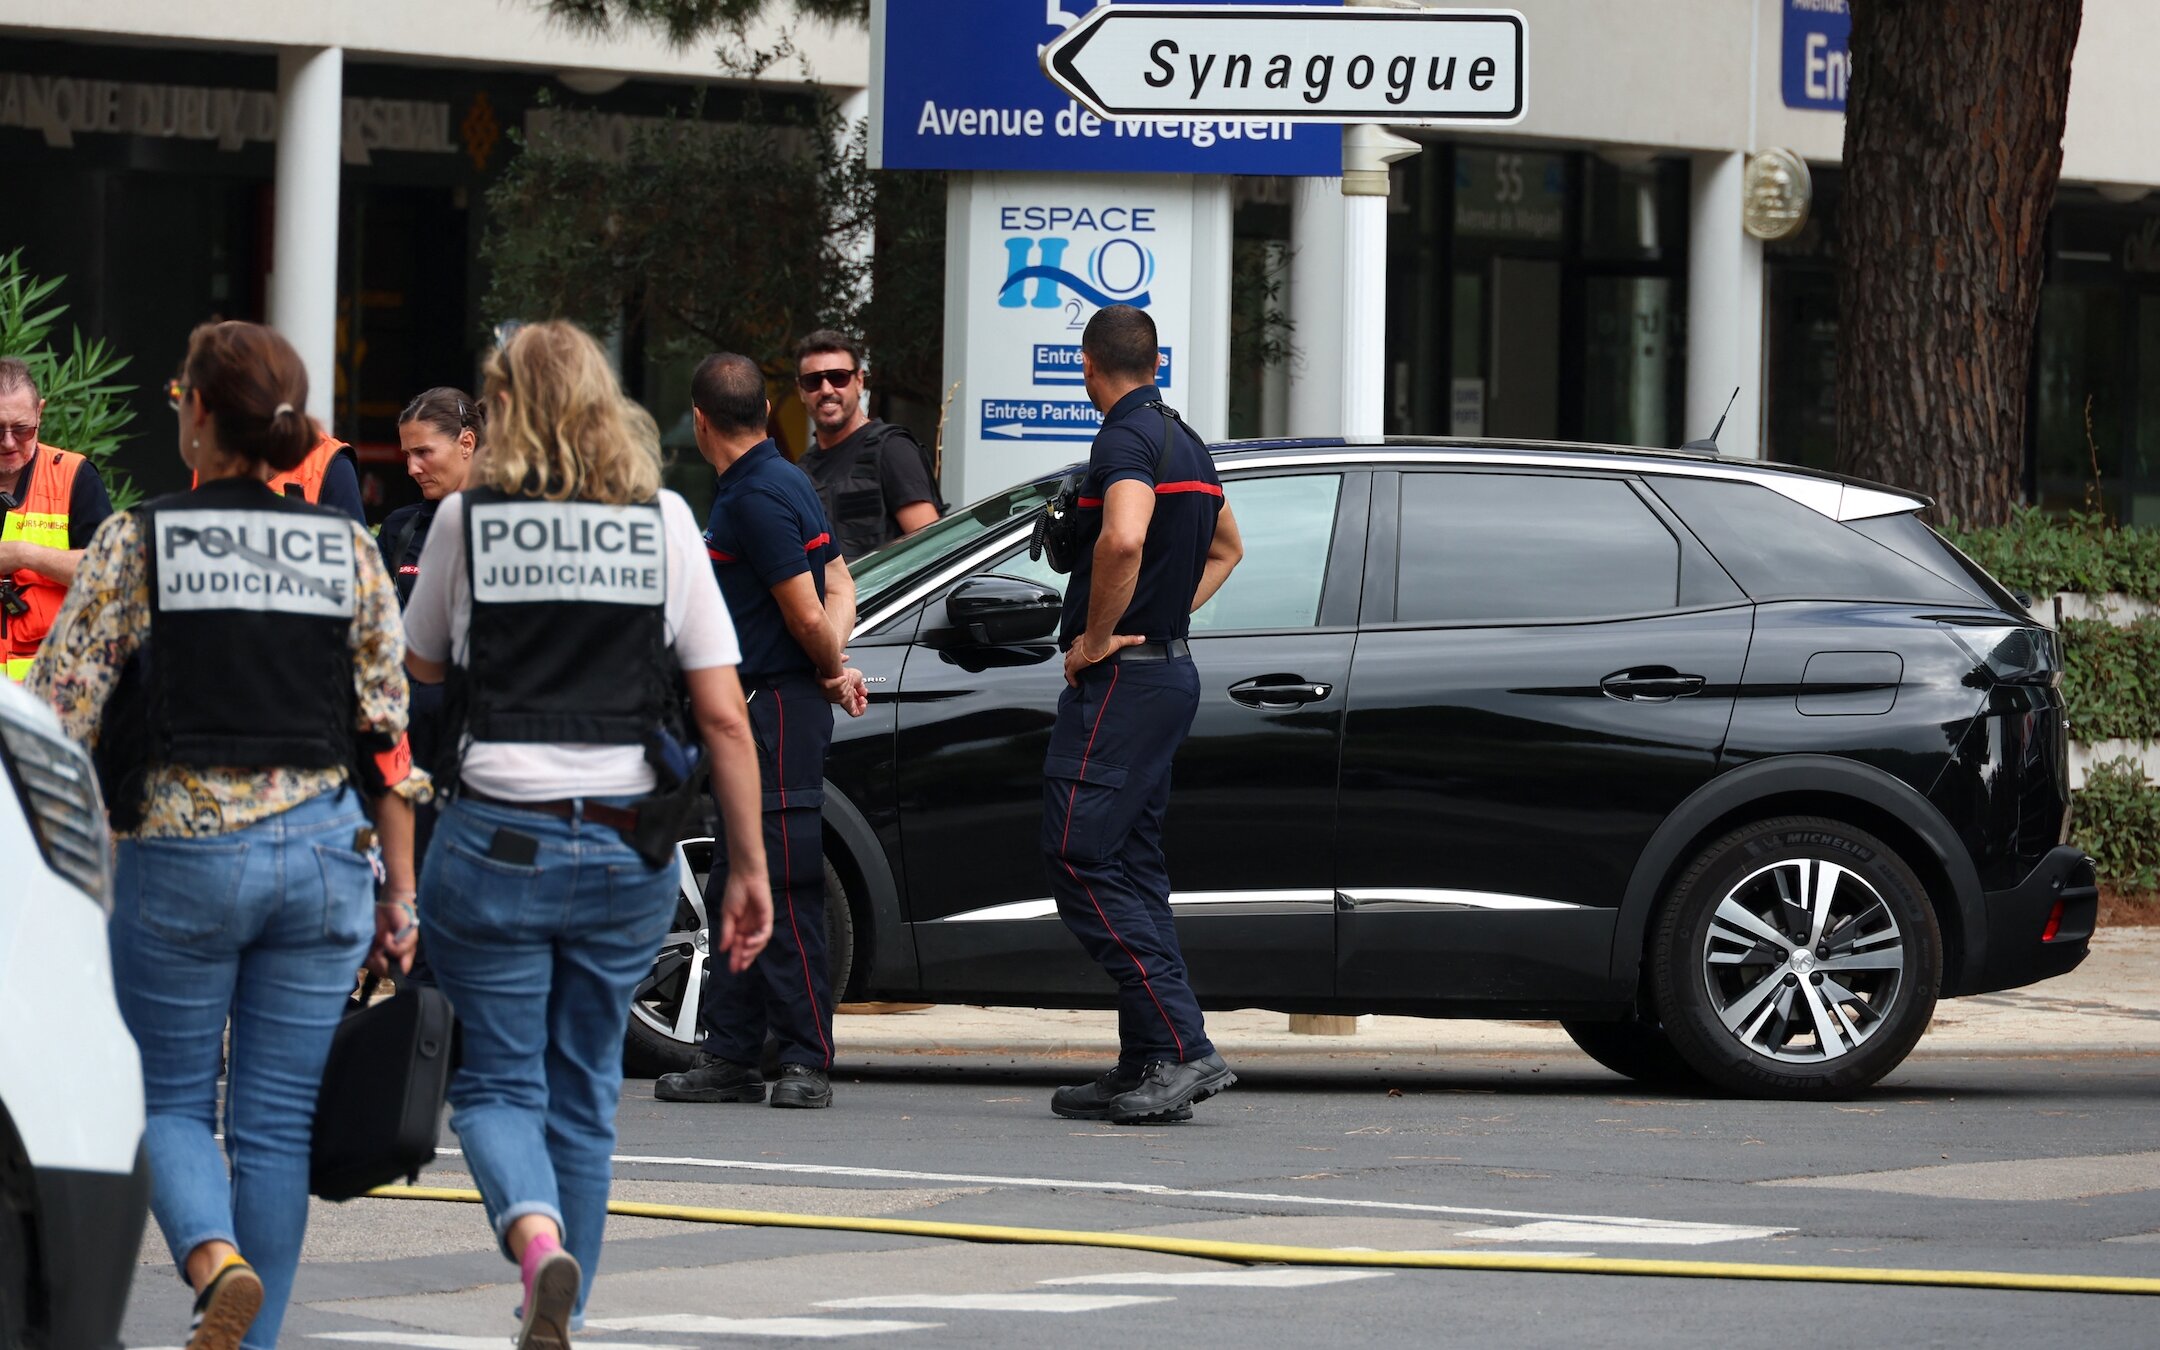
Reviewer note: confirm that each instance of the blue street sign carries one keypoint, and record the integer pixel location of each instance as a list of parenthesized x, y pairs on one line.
[(1039, 419), (1817, 61), (1059, 363), (959, 85)]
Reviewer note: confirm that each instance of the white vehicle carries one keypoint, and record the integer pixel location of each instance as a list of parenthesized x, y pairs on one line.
[(73, 1188)]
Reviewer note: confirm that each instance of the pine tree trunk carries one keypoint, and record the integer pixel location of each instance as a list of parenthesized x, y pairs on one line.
[(1953, 143)]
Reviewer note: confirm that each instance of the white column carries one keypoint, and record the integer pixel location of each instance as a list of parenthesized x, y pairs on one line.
[(1316, 306), (854, 109), (1367, 153), (304, 240), (1725, 309), (1206, 383)]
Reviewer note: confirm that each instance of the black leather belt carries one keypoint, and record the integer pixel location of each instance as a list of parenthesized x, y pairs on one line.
[(1174, 650), (617, 818)]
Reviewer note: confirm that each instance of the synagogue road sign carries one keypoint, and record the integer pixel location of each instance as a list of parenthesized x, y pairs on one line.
[(1295, 64), (958, 84)]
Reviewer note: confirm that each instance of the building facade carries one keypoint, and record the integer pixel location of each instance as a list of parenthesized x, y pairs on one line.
[(1583, 274), (320, 166)]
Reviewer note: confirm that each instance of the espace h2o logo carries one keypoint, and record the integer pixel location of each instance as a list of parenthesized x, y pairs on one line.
[(1045, 270)]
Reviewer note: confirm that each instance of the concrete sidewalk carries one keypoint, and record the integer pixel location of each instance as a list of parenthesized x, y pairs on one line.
[(2111, 1004)]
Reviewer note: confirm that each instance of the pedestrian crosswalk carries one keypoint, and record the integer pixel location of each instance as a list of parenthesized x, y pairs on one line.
[(1057, 1297)]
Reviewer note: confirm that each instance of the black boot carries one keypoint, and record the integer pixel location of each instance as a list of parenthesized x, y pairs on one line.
[(1166, 1087), (1091, 1101), (712, 1080), (802, 1086)]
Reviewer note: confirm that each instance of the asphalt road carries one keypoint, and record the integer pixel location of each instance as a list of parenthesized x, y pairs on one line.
[(2026, 1164)]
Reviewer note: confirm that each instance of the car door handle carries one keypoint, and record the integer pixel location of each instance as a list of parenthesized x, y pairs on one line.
[(1651, 684), (1279, 691)]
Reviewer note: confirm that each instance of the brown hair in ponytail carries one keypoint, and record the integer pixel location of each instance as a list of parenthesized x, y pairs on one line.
[(449, 411), (252, 382)]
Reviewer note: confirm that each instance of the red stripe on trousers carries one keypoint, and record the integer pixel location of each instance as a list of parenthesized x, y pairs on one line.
[(787, 871), (1089, 891)]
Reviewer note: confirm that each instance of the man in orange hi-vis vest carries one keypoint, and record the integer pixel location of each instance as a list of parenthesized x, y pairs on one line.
[(54, 502)]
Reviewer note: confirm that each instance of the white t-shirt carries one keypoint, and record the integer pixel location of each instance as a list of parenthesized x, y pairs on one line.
[(437, 624)]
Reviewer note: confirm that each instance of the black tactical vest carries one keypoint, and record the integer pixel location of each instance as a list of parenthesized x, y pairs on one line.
[(568, 642), (248, 662)]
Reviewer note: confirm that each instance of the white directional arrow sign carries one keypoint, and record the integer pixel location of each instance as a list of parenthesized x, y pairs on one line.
[(1289, 63)]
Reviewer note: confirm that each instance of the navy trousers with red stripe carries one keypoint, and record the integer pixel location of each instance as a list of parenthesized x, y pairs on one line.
[(788, 988), (1106, 787)]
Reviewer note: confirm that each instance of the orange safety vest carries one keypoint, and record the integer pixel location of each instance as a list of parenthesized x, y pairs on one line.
[(308, 474), (41, 519)]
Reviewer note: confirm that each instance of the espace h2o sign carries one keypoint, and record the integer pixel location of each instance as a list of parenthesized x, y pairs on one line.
[(1063, 254), (1425, 67)]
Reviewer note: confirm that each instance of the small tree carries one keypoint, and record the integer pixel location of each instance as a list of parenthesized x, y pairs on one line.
[(85, 408), (701, 235)]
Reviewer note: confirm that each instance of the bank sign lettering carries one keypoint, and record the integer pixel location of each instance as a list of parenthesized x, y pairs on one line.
[(567, 551), (264, 562), (958, 84), (1817, 65)]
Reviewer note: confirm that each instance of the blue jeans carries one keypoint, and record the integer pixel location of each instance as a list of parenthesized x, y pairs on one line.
[(540, 960), (266, 926)]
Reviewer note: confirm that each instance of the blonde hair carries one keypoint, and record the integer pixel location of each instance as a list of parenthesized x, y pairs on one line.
[(559, 427)]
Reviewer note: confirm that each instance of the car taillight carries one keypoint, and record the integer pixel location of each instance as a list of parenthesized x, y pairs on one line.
[(2011, 653), (60, 796)]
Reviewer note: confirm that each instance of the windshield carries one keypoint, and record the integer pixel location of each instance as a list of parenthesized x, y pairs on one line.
[(884, 568)]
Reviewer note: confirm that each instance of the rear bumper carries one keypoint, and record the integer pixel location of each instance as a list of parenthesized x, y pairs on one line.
[(2043, 926), (90, 1227)]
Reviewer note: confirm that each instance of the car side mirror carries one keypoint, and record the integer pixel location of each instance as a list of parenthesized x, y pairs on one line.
[(998, 611)]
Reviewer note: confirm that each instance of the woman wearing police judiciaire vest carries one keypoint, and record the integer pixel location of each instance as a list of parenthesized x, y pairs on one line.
[(542, 914), (232, 656)]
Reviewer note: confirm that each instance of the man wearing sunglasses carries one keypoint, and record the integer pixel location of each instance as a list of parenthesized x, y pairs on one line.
[(54, 501), (873, 477)]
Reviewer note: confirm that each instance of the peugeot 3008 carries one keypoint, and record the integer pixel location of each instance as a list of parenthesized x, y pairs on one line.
[(1732, 768)]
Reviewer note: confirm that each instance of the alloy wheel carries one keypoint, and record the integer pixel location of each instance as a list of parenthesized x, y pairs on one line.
[(666, 1000), (1803, 961)]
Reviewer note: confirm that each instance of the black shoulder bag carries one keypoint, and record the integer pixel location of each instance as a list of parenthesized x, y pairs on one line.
[(1057, 527), (379, 1113)]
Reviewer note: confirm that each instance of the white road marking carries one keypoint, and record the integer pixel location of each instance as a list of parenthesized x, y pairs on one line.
[(1625, 1231), (802, 1328), (1035, 1303), (1686, 1232), (1266, 1277), (420, 1340)]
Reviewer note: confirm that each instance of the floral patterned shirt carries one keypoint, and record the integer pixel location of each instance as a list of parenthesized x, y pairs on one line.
[(101, 627)]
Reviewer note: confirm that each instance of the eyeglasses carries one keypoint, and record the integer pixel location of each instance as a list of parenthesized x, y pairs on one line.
[(176, 392), (810, 380), (25, 432)]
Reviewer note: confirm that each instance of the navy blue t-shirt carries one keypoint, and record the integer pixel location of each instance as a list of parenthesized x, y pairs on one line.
[(1188, 497), (766, 526)]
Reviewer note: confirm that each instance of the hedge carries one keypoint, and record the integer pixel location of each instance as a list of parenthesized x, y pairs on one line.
[(2041, 554), (2118, 822), (2111, 678)]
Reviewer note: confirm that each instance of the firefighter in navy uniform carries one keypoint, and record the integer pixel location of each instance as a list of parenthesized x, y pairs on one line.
[(1156, 540), (793, 603)]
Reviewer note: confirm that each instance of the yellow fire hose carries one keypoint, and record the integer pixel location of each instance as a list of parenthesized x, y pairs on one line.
[(1266, 1253)]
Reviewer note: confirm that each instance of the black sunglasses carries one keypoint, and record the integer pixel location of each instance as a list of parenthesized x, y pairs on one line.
[(810, 380)]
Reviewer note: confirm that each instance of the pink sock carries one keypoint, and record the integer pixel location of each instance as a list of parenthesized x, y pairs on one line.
[(542, 1246)]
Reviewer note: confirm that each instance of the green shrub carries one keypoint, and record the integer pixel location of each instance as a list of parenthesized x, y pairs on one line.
[(85, 409), (2042, 553), (2111, 678), (2118, 822)]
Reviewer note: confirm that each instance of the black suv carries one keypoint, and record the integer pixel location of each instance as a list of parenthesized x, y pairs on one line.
[(1732, 768)]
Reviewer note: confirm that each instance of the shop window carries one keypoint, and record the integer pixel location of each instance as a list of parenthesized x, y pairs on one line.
[(1628, 360), (2080, 354)]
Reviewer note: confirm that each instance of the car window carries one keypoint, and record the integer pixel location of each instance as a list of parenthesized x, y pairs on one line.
[(1287, 525), (882, 569), (1487, 546), (1778, 549)]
